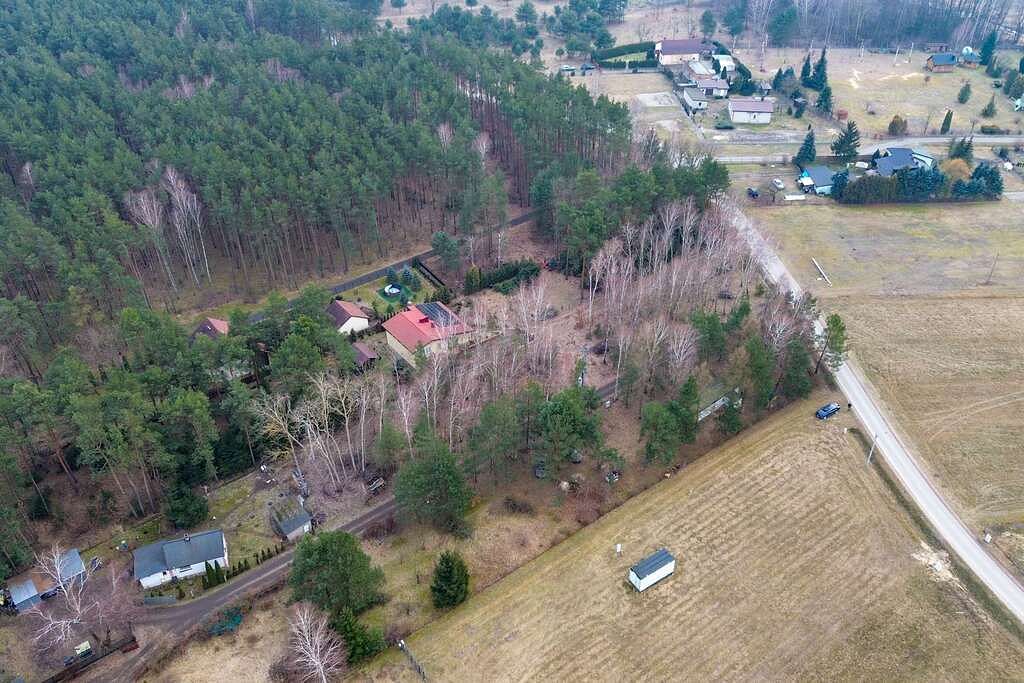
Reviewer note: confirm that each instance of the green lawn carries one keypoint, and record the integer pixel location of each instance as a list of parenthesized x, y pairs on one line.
[(370, 294), (631, 57)]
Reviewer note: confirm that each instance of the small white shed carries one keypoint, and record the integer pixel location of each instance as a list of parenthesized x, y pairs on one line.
[(652, 569)]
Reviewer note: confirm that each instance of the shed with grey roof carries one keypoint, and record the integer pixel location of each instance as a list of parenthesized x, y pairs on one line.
[(652, 569), (164, 561), (33, 586), (291, 519)]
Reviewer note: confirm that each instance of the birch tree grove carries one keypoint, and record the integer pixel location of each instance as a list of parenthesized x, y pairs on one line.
[(186, 215)]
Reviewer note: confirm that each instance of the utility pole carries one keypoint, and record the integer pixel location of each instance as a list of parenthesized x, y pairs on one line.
[(874, 442), (992, 270)]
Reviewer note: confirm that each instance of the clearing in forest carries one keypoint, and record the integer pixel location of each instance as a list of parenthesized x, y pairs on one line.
[(793, 560)]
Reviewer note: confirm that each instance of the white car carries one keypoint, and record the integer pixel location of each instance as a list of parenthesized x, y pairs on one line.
[(568, 67), (778, 184)]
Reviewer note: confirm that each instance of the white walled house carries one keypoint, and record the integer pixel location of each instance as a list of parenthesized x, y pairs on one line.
[(675, 52), (695, 99), (159, 563), (713, 87), (751, 111), (725, 62), (348, 317), (651, 570)]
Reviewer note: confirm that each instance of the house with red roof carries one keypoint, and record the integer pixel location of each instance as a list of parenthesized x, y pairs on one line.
[(430, 326), (348, 317), (212, 328)]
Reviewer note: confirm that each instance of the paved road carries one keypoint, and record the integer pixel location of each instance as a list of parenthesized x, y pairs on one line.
[(177, 620), (858, 391)]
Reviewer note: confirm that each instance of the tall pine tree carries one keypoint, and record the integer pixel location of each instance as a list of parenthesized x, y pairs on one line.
[(847, 143), (824, 103), (808, 152), (805, 71), (450, 586), (947, 121), (819, 78), (988, 48)]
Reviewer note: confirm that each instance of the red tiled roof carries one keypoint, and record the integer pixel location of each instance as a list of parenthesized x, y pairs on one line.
[(213, 327), (414, 326), (340, 311)]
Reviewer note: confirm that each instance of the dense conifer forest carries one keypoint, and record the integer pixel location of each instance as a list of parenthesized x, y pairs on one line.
[(153, 147)]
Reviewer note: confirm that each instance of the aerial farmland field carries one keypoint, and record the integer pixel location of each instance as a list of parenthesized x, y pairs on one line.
[(793, 561), (933, 297)]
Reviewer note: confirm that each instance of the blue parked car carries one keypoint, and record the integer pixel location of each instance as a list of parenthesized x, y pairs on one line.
[(827, 411)]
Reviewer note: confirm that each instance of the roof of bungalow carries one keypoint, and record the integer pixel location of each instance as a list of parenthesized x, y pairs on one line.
[(180, 552), (821, 176), (752, 106), (683, 46), (943, 59), (421, 324), (652, 563), (341, 311), (714, 83)]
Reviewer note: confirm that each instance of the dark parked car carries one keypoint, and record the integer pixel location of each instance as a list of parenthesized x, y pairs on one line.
[(827, 411), (540, 470), (752, 193)]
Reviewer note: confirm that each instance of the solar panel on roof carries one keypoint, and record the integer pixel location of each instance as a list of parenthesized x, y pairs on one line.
[(437, 314)]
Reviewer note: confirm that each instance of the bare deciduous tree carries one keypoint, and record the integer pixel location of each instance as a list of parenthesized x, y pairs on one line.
[(317, 652), (146, 209)]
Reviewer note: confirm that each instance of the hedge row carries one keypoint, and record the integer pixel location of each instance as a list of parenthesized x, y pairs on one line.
[(639, 64), (620, 50), (508, 275)]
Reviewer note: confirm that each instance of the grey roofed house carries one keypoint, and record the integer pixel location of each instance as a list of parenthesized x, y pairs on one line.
[(944, 59), (695, 94), (684, 46), (712, 84), (821, 176), (290, 519), (897, 158), (753, 106), (181, 552), (652, 563)]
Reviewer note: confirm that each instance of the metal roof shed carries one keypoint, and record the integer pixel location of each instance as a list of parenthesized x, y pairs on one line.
[(652, 569)]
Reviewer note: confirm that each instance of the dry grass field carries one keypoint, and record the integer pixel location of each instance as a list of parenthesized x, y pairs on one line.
[(940, 341), (900, 249), (903, 88), (794, 562)]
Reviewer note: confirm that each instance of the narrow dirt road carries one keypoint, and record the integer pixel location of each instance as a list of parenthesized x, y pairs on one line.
[(878, 424)]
